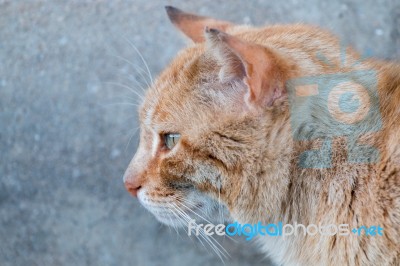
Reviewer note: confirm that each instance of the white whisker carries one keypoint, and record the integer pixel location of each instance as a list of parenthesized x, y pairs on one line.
[(130, 138), (184, 202), (121, 103), (138, 69), (214, 244), (141, 57), (183, 221), (139, 85), (127, 87)]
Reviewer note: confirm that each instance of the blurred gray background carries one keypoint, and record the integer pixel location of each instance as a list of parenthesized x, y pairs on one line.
[(68, 123)]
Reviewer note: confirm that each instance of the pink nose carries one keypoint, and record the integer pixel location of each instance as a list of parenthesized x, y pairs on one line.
[(133, 187), (133, 182), (134, 178)]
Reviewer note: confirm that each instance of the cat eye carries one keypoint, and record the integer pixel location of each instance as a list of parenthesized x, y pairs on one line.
[(171, 139)]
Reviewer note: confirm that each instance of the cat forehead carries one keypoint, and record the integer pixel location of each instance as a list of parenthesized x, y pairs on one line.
[(175, 88)]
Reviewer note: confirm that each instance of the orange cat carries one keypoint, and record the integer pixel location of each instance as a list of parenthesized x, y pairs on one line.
[(241, 120)]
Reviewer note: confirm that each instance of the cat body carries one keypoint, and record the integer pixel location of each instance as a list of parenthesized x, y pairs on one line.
[(230, 98)]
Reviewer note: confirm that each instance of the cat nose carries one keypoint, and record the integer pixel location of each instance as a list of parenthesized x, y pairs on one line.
[(135, 174), (133, 185), (133, 182)]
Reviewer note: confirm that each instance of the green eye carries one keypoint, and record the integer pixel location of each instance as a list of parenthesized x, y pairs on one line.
[(171, 139)]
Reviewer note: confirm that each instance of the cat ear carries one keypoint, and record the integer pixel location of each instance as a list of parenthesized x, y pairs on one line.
[(193, 25), (256, 65)]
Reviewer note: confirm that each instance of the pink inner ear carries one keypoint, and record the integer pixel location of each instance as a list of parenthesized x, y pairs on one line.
[(193, 25), (258, 65)]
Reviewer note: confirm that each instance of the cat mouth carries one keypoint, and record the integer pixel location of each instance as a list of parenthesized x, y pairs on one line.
[(176, 217), (172, 213), (164, 213)]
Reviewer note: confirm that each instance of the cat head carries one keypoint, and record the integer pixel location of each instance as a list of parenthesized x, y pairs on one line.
[(204, 122)]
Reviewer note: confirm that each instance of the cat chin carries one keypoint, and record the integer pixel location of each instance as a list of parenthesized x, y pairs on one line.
[(196, 206), (170, 221)]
